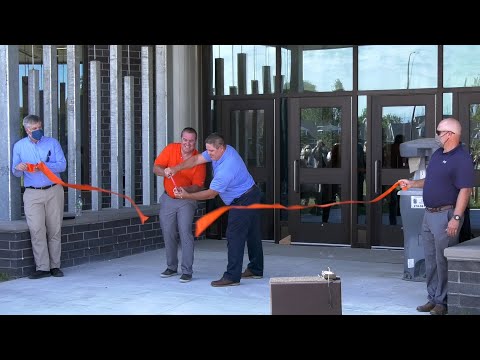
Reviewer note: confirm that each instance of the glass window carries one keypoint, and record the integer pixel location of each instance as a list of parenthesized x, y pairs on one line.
[(323, 68), (475, 137), (327, 69), (320, 137), (461, 65), (400, 124), (286, 54), (385, 67), (318, 194), (259, 69), (447, 105)]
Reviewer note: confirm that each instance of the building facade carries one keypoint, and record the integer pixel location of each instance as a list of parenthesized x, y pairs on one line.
[(315, 124)]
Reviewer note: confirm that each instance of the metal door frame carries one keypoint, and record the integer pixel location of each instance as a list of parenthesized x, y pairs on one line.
[(379, 235), (331, 233)]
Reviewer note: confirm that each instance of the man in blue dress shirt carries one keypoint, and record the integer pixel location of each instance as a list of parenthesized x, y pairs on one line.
[(43, 200), (232, 181)]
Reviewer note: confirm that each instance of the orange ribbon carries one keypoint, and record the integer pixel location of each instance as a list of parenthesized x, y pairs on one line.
[(52, 177), (208, 219)]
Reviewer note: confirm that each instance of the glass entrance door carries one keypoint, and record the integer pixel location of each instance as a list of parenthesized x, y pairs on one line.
[(395, 119), (319, 156), (469, 116), (248, 126)]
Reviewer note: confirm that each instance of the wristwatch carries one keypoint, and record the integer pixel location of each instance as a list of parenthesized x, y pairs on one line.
[(457, 217)]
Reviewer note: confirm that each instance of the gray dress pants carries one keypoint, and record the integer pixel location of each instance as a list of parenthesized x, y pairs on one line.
[(176, 217), (435, 241)]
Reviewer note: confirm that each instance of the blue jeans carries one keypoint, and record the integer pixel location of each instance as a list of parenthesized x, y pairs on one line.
[(244, 227)]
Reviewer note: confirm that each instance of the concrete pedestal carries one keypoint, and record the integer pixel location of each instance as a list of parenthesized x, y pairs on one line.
[(308, 295)]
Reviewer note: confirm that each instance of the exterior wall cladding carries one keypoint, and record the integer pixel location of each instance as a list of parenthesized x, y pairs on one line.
[(102, 54), (88, 241), (82, 243), (463, 287)]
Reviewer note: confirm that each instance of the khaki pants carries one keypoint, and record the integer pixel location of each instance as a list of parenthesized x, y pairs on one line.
[(44, 214)]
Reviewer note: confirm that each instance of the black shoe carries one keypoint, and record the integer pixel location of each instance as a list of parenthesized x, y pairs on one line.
[(39, 274), (185, 278), (168, 273), (56, 272)]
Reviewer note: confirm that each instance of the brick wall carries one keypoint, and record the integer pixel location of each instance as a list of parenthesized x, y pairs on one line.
[(463, 287), (85, 240), (464, 278)]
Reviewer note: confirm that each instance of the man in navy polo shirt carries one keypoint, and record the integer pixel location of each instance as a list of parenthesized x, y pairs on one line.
[(446, 193), (232, 181)]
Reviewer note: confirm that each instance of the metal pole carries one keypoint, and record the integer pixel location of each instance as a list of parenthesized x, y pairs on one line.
[(147, 124), (408, 86), (408, 68), (116, 125), (10, 194), (74, 135)]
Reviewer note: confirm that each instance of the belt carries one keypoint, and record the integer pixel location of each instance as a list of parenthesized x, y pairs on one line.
[(40, 188), (245, 193), (440, 208)]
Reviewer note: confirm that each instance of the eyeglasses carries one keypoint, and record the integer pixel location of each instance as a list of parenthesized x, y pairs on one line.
[(444, 131)]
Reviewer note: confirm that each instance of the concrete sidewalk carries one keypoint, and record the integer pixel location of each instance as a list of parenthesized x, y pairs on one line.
[(371, 284)]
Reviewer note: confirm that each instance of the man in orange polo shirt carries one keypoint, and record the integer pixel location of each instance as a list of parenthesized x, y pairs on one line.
[(177, 214)]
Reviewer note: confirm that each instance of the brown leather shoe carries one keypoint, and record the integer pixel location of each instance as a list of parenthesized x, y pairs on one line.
[(426, 307), (248, 274), (224, 282), (439, 310)]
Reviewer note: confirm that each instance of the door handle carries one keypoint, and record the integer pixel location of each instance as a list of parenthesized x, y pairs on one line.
[(377, 173), (296, 173)]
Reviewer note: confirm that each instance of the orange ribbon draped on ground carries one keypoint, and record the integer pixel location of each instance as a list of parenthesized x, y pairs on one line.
[(52, 177), (206, 220)]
